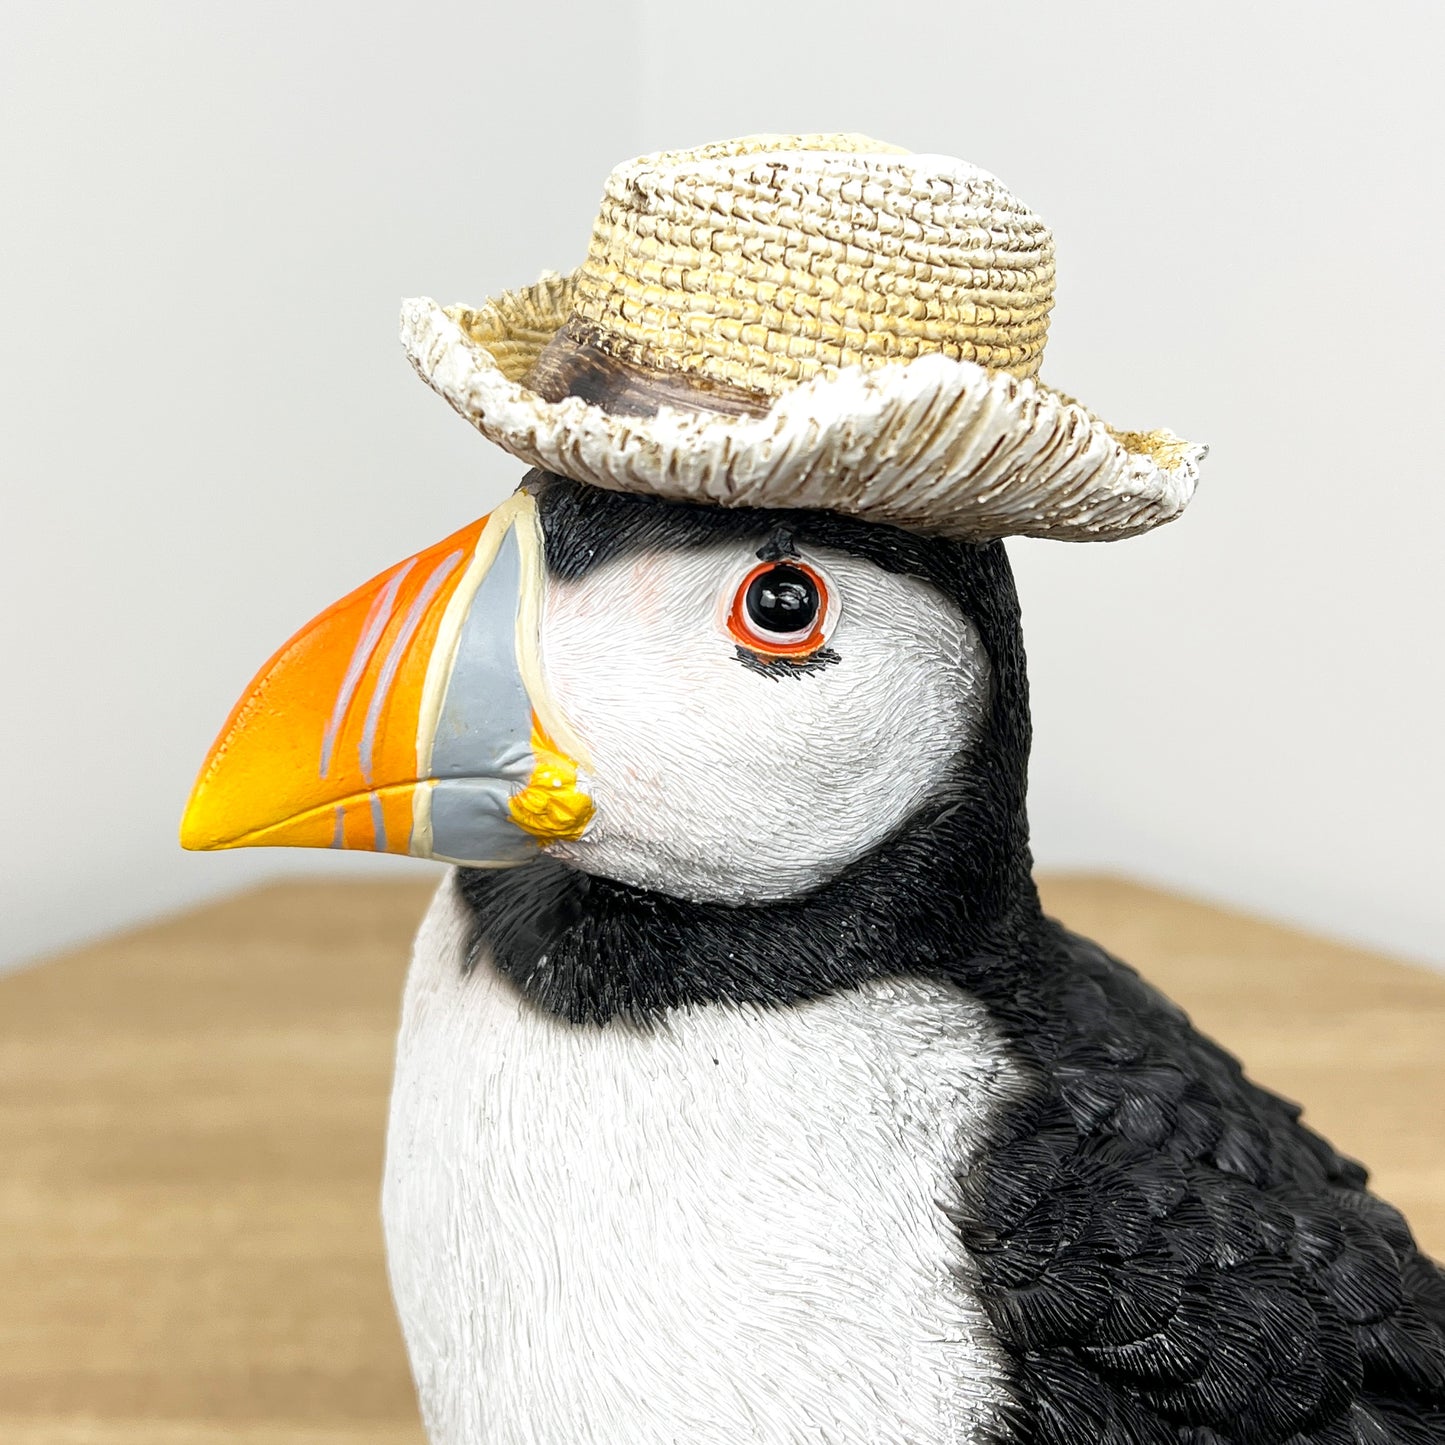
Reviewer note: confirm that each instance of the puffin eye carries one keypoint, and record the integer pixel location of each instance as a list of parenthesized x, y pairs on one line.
[(780, 609)]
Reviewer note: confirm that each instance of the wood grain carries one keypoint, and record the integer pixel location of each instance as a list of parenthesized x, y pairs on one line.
[(191, 1126)]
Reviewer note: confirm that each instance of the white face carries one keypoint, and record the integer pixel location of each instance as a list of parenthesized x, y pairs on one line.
[(718, 780)]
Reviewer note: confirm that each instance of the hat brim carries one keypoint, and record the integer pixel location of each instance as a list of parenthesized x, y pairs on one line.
[(935, 445)]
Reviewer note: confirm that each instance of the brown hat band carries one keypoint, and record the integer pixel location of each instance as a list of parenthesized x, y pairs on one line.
[(578, 361)]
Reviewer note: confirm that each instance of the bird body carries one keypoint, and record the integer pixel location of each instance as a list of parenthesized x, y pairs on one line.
[(727, 1225)]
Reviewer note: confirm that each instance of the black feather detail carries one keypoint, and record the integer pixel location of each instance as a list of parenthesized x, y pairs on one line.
[(1167, 1254)]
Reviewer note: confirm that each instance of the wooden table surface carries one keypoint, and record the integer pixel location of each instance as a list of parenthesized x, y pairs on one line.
[(191, 1128)]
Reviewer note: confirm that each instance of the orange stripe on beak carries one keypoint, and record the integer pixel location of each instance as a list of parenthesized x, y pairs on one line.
[(321, 751)]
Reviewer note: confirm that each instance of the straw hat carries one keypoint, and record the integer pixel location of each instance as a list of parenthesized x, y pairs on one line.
[(805, 321)]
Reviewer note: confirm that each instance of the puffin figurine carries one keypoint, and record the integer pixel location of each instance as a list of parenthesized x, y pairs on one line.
[(744, 1095)]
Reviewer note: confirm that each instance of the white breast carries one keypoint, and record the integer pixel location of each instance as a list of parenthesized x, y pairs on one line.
[(729, 1228)]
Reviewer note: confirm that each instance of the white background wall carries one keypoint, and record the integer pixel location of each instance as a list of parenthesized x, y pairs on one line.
[(207, 430)]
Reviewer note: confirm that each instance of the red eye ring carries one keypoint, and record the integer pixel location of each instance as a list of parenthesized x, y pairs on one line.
[(757, 614)]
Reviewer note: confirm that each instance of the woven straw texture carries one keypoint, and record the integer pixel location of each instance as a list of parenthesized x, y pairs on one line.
[(893, 308), (771, 260)]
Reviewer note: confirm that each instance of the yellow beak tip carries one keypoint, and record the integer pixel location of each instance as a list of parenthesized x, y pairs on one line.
[(195, 838), (204, 827)]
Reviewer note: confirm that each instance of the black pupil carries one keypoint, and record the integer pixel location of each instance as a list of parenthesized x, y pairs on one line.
[(783, 599)]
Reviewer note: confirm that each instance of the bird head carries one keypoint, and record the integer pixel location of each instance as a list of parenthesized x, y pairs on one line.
[(721, 704)]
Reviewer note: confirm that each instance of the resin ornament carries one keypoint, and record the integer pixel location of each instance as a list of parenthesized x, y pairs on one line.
[(743, 1091)]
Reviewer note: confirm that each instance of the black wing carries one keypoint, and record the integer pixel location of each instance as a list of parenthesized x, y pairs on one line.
[(1169, 1255)]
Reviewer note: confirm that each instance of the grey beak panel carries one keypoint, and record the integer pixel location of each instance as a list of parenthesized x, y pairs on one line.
[(482, 750)]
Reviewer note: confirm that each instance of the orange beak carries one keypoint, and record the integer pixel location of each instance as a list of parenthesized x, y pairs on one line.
[(410, 717)]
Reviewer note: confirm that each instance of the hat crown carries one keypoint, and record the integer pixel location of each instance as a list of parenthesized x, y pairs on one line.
[(763, 262)]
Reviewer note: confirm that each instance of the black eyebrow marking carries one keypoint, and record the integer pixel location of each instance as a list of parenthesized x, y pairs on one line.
[(787, 666), (778, 546)]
